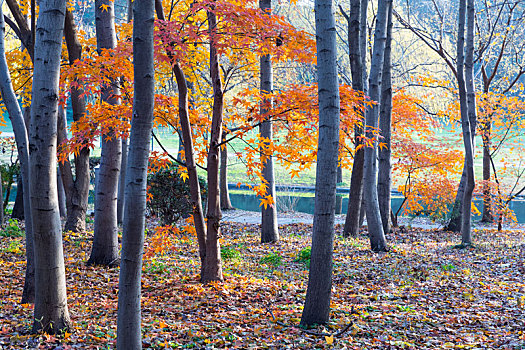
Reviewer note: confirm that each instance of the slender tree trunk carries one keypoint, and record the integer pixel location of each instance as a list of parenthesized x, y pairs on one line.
[(269, 230), (18, 207), (121, 183), (213, 267), (22, 144), (50, 313), (357, 53), (339, 197), (317, 304), (373, 216), (105, 240), (77, 187), (384, 182), (487, 196), (129, 312), (2, 212), (468, 112), (195, 192), (61, 196), (226, 204)]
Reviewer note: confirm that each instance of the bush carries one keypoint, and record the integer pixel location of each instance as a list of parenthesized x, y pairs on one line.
[(12, 229), (170, 195), (273, 260), (304, 256)]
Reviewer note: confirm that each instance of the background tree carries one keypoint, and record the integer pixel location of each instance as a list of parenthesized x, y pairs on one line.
[(105, 240), (269, 230), (317, 303), (373, 216)]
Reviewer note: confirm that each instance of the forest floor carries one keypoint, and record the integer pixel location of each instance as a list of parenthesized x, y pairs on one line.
[(423, 294)]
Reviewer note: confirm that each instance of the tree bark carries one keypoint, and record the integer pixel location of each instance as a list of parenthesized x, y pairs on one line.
[(384, 182), (357, 50), (226, 203), (50, 313), (269, 229), (317, 304), (373, 216), (22, 144), (105, 240), (129, 312), (213, 266)]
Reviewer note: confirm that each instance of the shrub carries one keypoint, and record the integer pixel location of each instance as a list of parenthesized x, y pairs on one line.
[(304, 256), (273, 260), (170, 195), (12, 229), (228, 253)]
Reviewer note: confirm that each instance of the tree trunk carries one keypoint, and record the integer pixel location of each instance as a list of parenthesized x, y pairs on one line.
[(2, 212), (22, 144), (373, 216), (129, 312), (269, 230), (384, 182), (212, 267), (18, 207), (77, 187), (339, 197), (468, 111), (317, 304), (195, 192), (61, 195), (226, 204), (105, 240), (121, 182), (50, 313), (487, 196), (357, 50)]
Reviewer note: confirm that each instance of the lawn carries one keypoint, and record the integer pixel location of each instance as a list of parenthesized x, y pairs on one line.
[(423, 294)]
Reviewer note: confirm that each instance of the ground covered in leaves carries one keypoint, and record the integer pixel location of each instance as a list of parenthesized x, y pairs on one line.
[(423, 294)]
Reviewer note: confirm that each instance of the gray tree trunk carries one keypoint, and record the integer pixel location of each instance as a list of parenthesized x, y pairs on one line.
[(51, 313), (357, 54), (213, 266), (317, 304), (129, 313), (22, 144), (467, 107), (105, 240), (121, 183), (373, 216), (384, 181), (226, 203), (269, 230), (76, 187)]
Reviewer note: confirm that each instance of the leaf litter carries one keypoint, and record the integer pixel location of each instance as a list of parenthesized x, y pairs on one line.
[(422, 294)]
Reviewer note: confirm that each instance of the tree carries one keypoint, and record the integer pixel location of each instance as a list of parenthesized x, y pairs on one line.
[(384, 180), (22, 143), (465, 66), (105, 240), (76, 187), (357, 53), (129, 312), (269, 230), (373, 216), (51, 313), (317, 303)]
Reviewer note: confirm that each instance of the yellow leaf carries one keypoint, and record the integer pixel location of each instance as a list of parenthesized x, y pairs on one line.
[(329, 340), (105, 7)]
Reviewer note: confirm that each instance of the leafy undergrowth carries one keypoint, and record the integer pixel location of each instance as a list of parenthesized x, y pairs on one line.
[(422, 294)]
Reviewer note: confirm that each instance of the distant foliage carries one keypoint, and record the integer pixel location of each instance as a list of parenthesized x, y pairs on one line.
[(169, 194)]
